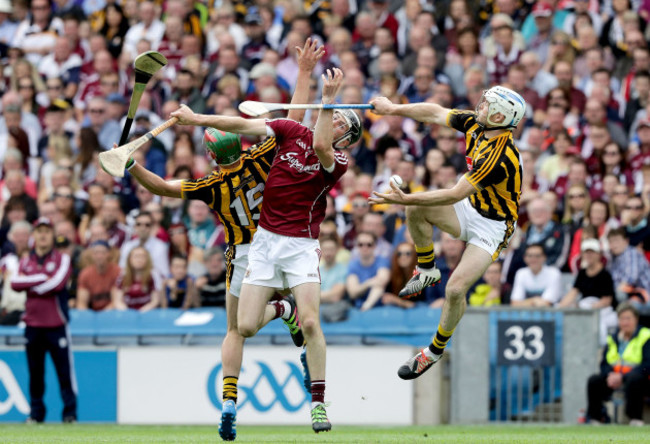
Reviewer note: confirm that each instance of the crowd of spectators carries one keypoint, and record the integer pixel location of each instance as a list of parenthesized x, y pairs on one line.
[(583, 67)]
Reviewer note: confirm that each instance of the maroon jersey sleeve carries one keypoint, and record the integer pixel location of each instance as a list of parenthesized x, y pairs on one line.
[(281, 128), (340, 167)]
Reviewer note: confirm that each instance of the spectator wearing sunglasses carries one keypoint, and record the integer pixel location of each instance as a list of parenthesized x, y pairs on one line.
[(368, 274), (144, 238)]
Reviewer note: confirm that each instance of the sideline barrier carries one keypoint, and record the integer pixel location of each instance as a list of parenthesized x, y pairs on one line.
[(379, 325)]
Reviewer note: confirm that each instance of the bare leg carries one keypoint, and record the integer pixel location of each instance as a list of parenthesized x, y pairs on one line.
[(308, 301), (472, 265), (232, 348), (253, 311), (421, 220)]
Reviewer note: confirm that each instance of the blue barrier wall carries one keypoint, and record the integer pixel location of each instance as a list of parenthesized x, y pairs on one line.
[(96, 373)]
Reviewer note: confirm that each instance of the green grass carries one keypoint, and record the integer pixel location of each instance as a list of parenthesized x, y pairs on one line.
[(58, 433)]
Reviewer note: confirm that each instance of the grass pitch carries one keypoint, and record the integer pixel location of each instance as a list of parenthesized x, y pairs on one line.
[(110, 433)]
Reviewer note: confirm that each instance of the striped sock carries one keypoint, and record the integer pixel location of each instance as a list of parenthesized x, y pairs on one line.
[(230, 388), (317, 391), (426, 257), (440, 340), (281, 307)]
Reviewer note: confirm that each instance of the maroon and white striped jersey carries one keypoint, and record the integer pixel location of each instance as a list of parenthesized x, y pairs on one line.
[(294, 197)]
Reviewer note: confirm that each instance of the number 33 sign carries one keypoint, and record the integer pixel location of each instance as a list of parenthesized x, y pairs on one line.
[(526, 343)]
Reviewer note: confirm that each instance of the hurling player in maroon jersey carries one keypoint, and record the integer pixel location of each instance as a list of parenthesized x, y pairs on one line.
[(285, 250)]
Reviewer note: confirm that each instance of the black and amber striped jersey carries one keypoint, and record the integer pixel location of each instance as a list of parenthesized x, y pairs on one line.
[(494, 168), (235, 195)]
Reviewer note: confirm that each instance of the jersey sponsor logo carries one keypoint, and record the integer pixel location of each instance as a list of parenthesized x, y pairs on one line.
[(265, 390), (14, 394), (297, 164), (470, 163), (302, 145)]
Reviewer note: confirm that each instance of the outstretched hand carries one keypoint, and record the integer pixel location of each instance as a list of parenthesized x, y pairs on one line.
[(394, 196), (332, 81), (382, 105), (309, 55), (185, 115)]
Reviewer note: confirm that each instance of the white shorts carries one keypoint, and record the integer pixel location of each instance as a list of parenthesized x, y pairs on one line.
[(487, 234), (236, 264), (278, 261)]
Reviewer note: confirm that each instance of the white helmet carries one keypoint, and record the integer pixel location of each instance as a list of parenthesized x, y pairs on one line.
[(505, 101)]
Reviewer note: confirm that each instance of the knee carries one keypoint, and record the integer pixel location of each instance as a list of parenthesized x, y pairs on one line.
[(455, 292), (310, 325), (246, 330)]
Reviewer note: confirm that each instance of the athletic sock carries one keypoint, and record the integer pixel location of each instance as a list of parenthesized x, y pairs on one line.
[(426, 257), (440, 340), (317, 392), (282, 309), (230, 388)]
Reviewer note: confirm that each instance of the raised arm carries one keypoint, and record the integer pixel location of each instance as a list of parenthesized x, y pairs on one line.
[(155, 183), (252, 127), (308, 57), (324, 133), (424, 112)]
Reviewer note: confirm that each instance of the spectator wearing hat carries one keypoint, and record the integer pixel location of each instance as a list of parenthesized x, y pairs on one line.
[(253, 51), (593, 287), (148, 27), (55, 116), (540, 42), (44, 274), (63, 63), (97, 281), (506, 51)]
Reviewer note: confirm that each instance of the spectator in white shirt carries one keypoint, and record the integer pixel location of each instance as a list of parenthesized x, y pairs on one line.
[(148, 27), (537, 284), (157, 249)]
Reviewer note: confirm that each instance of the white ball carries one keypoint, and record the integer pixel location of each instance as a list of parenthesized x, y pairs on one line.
[(396, 180)]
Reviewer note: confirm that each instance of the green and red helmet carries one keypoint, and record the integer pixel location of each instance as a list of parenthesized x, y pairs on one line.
[(225, 147)]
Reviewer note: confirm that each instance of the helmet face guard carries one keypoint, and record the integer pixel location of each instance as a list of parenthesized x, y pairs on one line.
[(503, 101), (353, 133), (225, 147)]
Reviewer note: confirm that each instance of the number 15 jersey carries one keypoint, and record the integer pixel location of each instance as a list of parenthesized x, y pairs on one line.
[(235, 195)]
